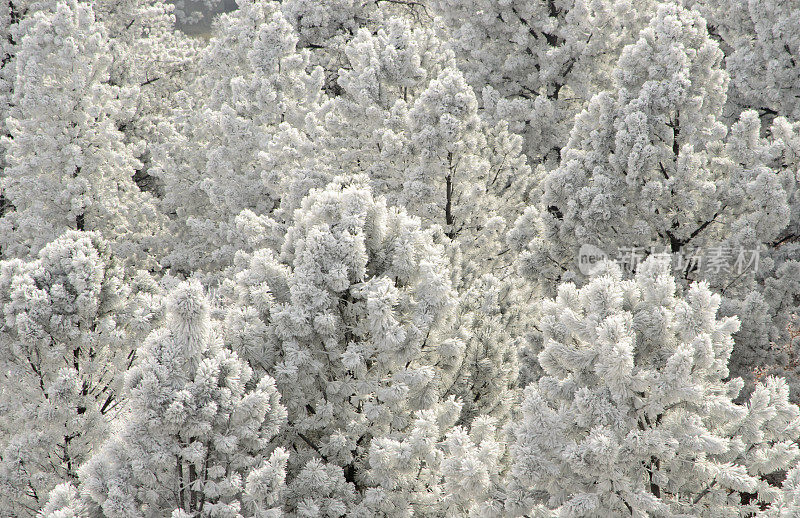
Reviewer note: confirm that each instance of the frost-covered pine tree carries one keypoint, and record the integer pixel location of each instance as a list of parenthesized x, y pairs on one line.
[(150, 62), (252, 85), (788, 502), (407, 118), (196, 439), (635, 414), (67, 322), (367, 128), (445, 134), (12, 14), (64, 502), (326, 27), (400, 98), (352, 320), (67, 167), (9, 18), (647, 164), (768, 304), (651, 166), (147, 53), (490, 324), (761, 40), (437, 468), (536, 63)]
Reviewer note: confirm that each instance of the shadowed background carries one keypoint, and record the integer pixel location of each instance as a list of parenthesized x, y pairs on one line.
[(195, 16)]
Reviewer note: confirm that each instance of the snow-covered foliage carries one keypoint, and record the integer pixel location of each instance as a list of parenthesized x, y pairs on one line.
[(69, 321), (437, 468), (536, 63), (635, 414), (147, 61), (196, 437), (327, 27), (761, 39), (647, 164), (388, 232), (407, 118), (254, 87), (351, 318), (67, 165), (150, 63), (652, 167)]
